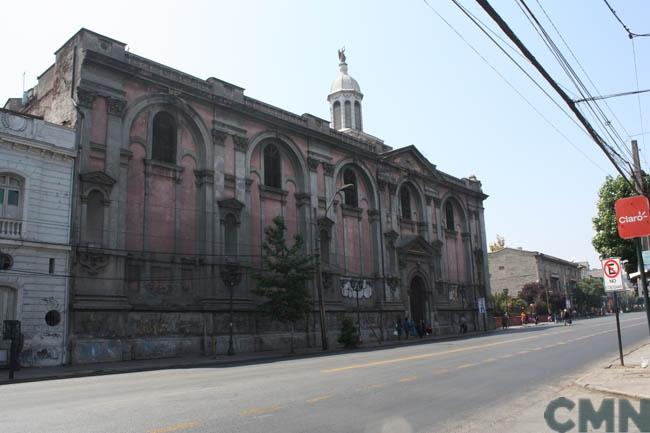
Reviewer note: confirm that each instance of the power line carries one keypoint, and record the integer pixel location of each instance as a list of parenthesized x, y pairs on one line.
[(580, 64), (569, 102), (596, 111), (515, 89), (630, 34)]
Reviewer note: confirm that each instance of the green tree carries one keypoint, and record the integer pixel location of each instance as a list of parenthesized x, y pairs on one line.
[(606, 240), (592, 289), (348, 337), (284, 276)]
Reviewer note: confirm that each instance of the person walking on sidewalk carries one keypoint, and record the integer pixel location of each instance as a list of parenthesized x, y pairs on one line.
[(398, 328), (406, 326), (523, 317)]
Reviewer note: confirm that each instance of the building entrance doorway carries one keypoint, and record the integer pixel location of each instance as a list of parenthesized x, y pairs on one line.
[(417, 295)]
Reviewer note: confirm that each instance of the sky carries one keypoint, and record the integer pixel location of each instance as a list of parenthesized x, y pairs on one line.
[(422, 84)]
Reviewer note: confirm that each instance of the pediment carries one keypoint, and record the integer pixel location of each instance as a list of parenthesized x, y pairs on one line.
[(410, 159), (97, 178), (231, 204), (414, 244)]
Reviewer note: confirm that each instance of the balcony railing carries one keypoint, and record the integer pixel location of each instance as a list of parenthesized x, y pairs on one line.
[(10, 228)]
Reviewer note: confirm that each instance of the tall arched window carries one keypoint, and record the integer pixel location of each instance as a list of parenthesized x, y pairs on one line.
[(449, 216), (336, 114), (324, 247), (164, 138), (357, 115), (230, 235), (349, 178), (272, 166), (405, 200), (348, 115), (95, 218)]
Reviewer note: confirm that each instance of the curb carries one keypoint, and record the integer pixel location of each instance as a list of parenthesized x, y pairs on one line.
[(211, 362), (605, 390)]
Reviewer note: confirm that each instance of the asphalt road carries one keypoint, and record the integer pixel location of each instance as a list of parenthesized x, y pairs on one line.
[(400, 390)]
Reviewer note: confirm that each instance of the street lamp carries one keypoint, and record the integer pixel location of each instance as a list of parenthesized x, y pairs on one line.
[(319, 274), (231, 276)]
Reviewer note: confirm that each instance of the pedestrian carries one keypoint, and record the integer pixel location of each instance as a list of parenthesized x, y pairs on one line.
[(421, 328), (406, 326), (535, 318), (506, 320), (567, 317), (463, 325), (398, 328), (523, 317)]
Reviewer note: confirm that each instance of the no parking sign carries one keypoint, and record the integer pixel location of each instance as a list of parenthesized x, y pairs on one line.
[(612, 275)]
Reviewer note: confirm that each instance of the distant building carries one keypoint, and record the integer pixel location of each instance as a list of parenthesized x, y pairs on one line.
[(512, 268), (36, 173)]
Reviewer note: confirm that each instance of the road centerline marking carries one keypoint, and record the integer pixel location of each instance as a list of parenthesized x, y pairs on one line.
[(175, 427), (319, 398), (408, 379), (260, 410)]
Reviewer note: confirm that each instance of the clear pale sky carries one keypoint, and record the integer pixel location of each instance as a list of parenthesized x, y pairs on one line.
[(422, 84)]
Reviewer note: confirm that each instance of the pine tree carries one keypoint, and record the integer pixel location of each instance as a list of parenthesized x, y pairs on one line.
[(284, 276)]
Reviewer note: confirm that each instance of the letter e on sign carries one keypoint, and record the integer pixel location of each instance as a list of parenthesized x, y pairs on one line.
[(633, 217)]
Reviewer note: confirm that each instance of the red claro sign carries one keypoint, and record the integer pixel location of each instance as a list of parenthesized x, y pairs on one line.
[(633, 217)]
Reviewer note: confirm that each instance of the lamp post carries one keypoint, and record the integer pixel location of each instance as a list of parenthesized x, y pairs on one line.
[(319, 274), (231, 276)]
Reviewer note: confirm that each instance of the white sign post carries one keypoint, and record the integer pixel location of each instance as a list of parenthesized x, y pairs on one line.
[(612, 275)]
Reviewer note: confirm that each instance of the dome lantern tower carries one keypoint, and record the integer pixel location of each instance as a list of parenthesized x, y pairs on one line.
[(345, 99)]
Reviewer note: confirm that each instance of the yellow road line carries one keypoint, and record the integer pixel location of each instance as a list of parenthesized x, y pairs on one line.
[(523, 352), (319, 398), (260, 410), (466, 366), (459, 350), (176, 427), (490, 360), (424, 355), (372, 386), (408, 379), (441, 371)]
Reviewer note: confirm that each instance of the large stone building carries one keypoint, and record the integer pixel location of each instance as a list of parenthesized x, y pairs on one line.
[(179, 175), (36, 181), (512, 268)]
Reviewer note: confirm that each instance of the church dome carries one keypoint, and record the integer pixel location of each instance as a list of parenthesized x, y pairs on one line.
[(344, 81)]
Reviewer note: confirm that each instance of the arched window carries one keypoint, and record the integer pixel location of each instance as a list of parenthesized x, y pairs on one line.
[(349, 178), (95, 218), (449, 216), (272, 166), (7, 304), (336, 114), (164, 138), (357, 115), (10, 197), (405, 200), (230, 235), (348, 115), (324, 247)]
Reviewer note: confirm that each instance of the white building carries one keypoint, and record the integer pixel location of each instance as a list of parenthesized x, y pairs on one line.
[(36, 173)]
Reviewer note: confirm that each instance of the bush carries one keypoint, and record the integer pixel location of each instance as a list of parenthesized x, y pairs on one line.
[(348, 337)]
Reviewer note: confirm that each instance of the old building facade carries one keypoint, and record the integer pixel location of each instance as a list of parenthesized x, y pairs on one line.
[(36, 181), (512, 268), (178, 175)]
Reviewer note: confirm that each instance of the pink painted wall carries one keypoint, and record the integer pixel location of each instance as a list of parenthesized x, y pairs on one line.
[(188, 208), (135, 198)]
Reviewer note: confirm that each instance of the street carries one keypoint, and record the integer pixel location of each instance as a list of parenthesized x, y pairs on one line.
[(420, 388)]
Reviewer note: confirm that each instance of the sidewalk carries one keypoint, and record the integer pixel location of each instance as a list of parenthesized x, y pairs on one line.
[(102, 368), (631, 381)]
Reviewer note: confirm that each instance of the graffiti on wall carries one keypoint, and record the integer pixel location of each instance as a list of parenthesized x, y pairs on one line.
[(352, 287)]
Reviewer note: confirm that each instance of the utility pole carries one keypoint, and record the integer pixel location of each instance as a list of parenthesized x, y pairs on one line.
[(638, 177)]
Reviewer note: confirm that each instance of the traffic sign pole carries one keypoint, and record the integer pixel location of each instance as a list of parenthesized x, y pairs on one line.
[(644, 282), (618, 329)]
